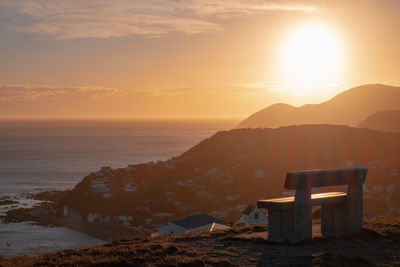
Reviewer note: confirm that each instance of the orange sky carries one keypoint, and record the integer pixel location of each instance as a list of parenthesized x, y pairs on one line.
[(180, 59)]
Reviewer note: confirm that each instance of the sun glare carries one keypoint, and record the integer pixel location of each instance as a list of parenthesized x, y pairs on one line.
[(312, 54)]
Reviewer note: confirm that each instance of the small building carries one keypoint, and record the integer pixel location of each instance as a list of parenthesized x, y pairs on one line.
[(130, 167), (105, 169), (192, 224), (252, 215)]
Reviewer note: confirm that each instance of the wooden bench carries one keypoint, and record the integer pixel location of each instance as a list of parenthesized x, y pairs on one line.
[(290, 218)]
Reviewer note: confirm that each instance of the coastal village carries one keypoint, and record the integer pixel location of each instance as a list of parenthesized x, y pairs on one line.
[(154, 198), (194, 223)]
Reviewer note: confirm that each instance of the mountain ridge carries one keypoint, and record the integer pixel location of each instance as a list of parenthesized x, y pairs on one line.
[(347, 108), (387, 120)]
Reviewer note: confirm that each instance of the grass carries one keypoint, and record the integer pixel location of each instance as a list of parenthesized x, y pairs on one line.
[(378, 244)]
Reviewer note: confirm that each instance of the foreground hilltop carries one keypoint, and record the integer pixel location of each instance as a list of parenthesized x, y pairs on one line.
[(350, 107), (378, 244), (226, 172)]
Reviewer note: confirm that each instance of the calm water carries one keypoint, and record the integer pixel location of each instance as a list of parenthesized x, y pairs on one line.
[(47, 155)]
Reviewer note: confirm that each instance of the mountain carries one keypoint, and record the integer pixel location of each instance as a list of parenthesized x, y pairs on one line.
[(347, 108), (388, 120), (231, 169)]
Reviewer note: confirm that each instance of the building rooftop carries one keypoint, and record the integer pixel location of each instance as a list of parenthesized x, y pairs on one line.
[(248, 209), (197, 220)]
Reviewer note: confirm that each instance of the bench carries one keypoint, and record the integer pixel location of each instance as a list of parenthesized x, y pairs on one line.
[(290, 218)]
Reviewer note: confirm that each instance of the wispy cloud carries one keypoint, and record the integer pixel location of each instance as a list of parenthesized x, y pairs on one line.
[(221, 89), (32, 93), (36, 92), (301, 88), (72, 19), (25, 92), (391, 82)]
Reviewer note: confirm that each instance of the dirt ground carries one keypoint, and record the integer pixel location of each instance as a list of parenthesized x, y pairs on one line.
[(378, 244)]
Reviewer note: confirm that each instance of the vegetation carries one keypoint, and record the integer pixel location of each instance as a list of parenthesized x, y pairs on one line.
[(378, 244), (219, 175)]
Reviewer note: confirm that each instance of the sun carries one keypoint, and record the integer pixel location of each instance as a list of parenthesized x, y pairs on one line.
[(312, 53)]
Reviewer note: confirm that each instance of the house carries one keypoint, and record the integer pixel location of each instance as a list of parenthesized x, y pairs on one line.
[(130, 167), (252, 215), (193, 223), (105, 169)]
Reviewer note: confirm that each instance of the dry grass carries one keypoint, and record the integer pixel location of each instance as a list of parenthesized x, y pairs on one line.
[(378, 244)]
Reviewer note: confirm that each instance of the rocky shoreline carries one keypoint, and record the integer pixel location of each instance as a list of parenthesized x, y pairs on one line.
[(7, 201), (45, 214)]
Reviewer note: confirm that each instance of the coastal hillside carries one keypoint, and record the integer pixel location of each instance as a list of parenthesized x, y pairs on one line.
[(231, 169), (388, 121), (347, 108), (377, 244)]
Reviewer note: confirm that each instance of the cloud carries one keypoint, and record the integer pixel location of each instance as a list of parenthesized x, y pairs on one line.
[(222, 89), (10, 93), (391, 82), (302, 88), (73, 19), (33, 93)]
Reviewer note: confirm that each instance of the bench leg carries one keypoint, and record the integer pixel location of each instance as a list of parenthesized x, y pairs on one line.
[(354, 208), (303, 213), (280, 225), (333, 219), (303, 223)]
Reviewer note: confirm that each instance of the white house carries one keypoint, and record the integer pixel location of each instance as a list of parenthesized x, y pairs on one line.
[(193, 223), (252, 215), (130, 167), (105, 169)]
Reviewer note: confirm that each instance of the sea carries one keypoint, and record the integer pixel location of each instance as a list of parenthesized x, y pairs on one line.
[(42, 155)]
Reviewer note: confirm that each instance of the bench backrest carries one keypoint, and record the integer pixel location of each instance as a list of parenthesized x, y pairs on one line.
[(318, 178)]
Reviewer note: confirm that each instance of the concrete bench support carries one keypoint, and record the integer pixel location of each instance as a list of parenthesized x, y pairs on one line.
[(354, 206), (290, 218), (281, 224), (303, 213), (333, 219)]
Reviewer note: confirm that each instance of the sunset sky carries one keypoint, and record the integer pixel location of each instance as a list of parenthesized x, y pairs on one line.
[(188, 58)]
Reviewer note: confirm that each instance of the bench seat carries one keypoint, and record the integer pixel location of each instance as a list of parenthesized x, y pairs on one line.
[(316, 199)]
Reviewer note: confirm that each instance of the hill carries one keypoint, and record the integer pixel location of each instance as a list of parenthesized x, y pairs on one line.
[(226, 172), (388, 120), (378, 244), (347, 108)]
